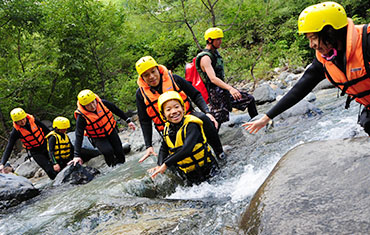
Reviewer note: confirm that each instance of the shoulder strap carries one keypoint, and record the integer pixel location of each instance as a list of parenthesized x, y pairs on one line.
[(364, 48)]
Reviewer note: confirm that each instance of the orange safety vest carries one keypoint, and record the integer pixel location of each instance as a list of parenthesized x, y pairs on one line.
[(99, 123), (151, 96), (32, 139), (355, 82)]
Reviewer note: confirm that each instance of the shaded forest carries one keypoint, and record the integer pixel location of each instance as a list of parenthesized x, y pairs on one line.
[(52, 49)]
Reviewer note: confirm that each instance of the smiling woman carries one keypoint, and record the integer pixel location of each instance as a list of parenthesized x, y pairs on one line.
[(342, 56)]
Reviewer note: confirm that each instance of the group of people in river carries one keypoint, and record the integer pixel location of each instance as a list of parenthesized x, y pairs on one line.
[(190, 142)]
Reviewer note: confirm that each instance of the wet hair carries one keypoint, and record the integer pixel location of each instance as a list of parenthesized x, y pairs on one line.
[(329, 35)]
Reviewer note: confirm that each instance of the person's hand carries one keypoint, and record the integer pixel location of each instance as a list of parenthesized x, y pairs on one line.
[(213, 119), (75, 161), (235, 93), (132, 125), (255, 126), (56, 167), (149, 151), (158, 170), (1, 168), (152, 170)]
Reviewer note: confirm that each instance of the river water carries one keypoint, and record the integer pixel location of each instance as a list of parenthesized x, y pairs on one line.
[(124, 200)]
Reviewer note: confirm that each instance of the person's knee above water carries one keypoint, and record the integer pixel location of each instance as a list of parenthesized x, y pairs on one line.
[(94, 118), (184, 145), (32, 134), (153, 80), (59, 145), (222, 96), (342, 56)]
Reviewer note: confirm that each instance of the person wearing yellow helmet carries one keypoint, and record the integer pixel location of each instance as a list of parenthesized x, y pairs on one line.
[(222, 96), (32, 134), (342, 56), (155, 79), (59, 145), (184, 145), (94, 118)]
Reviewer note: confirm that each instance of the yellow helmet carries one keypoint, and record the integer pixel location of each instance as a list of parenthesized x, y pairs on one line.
[(61, 123), (17, 114), (145, 63), (86, 97), (169, 95), (213, 33), (315, 17)]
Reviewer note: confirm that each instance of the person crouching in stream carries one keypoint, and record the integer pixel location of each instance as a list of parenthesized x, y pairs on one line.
[(94, 118), (59, 145), (184, 145)]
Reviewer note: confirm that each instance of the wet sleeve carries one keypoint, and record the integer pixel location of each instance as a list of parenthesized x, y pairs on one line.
[(192, 138), (79, 132), (194, 95), (14, 136), (117, 111), (52, 142), (44, 128), (163, 153), (144, 119), (311, 77)]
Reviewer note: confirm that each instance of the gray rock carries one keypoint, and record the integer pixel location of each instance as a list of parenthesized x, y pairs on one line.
[(87, 149), (301, 108), (283, 75), (311, 97), (324, 84), (27, 169), (264, 94), (316, 188), (14, 190), (75, 175)]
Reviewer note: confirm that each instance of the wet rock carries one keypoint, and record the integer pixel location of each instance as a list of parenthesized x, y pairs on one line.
[(88, 151), (311, 97), (75, 175), (324, 84), (301, 108), (316, 188), (14, 190), (27, 169), (264, 94)]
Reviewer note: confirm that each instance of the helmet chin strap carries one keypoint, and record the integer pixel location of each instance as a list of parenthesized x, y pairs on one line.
[(333, 53)]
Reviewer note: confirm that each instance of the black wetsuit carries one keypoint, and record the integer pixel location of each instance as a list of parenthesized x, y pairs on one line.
[(39, 154), (196, 97), (311, 77), (110, 146)]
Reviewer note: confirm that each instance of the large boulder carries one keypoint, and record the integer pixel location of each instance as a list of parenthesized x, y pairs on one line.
[(75, 175), (263, 94), (316, 188), (302, 108), (28, 168), (14, 190)]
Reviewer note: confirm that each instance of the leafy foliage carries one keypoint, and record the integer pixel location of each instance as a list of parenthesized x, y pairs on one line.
[(52, 49)]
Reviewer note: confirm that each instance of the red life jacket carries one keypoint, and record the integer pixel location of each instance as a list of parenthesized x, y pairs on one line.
[(151, 97), (192, 75), (355, 81), (32, 139), (100, 123)]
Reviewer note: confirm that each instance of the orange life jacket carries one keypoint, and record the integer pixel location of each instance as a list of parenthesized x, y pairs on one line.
[(151, 96), (356, 81), (100, 123), (32, 139)]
